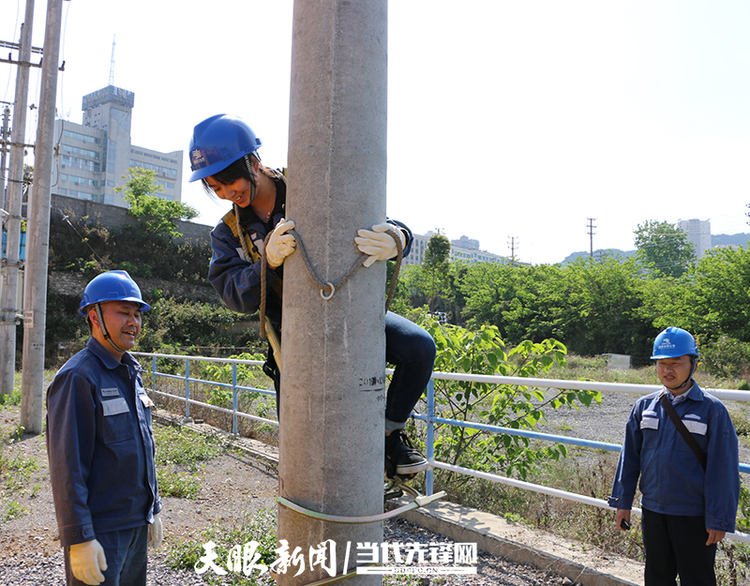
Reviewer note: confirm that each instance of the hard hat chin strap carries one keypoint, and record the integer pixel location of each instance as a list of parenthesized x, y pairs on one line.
[(253, 182), (103, 328)]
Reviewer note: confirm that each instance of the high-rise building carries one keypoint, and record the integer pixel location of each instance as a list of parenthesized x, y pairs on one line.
[(699, 233), (92, 158)]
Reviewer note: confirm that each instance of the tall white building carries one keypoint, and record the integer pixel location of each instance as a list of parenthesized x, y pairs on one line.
[(92, 158), (699, 233)]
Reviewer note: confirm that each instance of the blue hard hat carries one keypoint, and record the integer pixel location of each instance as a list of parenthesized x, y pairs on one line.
[(111, 286), (217, 142), (673, 343)]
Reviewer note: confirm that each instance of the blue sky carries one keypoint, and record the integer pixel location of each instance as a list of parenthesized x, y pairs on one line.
[(506, 118)]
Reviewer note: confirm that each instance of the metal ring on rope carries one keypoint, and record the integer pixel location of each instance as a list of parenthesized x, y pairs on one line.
[(333, 290), (323, 286)]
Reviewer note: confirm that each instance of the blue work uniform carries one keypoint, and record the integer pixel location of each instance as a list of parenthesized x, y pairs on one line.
[(680, 500), (100, 445), (237, 280), (672, 480)]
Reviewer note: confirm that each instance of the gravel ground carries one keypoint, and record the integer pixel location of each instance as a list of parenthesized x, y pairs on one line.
[(231, 486)]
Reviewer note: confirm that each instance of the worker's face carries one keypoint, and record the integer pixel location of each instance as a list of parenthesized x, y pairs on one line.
[(672, 372), (122, 320), (237, 192)]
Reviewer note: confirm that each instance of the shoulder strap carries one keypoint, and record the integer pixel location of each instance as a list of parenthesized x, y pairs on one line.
[(231, 220), (682, 429)]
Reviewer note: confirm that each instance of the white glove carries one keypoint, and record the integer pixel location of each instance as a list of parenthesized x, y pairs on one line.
[(379, 244), (155, 532), (87, 562), (281, 244)]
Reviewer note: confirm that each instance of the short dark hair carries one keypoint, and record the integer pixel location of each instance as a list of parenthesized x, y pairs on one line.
[(236, 170)]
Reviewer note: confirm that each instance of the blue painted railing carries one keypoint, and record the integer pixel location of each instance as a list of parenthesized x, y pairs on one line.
[(431, 420)]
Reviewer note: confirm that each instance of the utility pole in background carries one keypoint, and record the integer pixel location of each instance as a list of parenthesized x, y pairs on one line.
[(11, 263), (4, 142), (37, 241), (332, 433), (512, 245), (591, 236)]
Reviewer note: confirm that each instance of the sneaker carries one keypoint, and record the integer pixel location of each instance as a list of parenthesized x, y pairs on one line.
[(401, 458)]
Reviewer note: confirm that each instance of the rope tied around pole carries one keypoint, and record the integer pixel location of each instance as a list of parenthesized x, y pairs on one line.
[(327, 288)]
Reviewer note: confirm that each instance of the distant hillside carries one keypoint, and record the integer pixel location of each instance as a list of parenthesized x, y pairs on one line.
[(730, 239), (597, 253), (716, 240)]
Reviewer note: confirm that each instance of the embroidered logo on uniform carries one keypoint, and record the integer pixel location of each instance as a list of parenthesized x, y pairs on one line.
[(113, 392)]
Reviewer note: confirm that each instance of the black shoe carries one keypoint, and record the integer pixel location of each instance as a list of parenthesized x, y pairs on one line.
[(401, 458)]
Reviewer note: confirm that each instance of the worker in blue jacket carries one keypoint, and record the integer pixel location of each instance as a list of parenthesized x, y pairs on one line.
[(688, 504), (223, 156), (100, 444)]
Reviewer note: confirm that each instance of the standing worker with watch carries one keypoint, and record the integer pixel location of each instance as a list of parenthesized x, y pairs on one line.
[(688, 465), (101, 445)]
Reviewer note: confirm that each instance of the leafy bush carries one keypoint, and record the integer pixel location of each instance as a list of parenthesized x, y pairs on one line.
[(726, 357), (514, 406), (192, 324)]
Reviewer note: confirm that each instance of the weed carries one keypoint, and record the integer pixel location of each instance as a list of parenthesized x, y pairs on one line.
[(17, 472), (177, 484), (176, 446), (13, 511), (11, 400), (259, 527), (180, 455), (17, 433)]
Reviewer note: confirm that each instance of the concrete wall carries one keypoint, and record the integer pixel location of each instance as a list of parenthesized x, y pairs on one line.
[(114, 218), (73, 284)]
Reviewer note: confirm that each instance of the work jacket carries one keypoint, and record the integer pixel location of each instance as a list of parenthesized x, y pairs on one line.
[(672, 480), (100, 446), (237, 278)]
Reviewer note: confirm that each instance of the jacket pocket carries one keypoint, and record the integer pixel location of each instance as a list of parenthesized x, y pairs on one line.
[(117, 424)]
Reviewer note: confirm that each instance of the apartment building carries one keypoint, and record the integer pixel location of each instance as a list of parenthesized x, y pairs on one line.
[(92, 158)]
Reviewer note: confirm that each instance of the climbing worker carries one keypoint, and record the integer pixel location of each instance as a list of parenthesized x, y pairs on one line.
[(100, 444), (682, 444), (223, 156)]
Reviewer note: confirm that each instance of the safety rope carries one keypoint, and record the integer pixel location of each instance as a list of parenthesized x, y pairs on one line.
[(417, 502), (327, 288)]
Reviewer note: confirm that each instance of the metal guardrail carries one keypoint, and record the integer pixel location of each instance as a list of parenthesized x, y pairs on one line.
[(431, 420)]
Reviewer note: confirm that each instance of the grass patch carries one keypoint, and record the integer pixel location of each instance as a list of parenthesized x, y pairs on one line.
[(16, 472), (11, 400), (181, 455), (259, 527)]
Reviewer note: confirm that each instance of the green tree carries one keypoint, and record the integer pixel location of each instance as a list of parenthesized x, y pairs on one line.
[(519, 300), (436, 264), (715, 300), (600, 308), (664, 247), (157, 216)]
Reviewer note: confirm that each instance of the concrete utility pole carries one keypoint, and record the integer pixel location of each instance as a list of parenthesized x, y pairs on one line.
[(4, 140), (333, 354), (37, 235), (591, 236), (9, 299)]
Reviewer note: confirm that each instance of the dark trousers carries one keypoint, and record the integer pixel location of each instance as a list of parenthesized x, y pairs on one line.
[(677, 545), (126, 558), (411, 350)]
